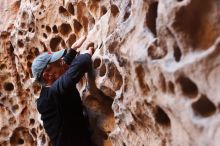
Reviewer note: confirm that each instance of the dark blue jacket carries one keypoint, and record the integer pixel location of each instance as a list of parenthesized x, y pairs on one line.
[(60, 105)]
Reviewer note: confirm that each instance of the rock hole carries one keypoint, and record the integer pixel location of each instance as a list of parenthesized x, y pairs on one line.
[(177, 53), (85, 23), (11, 101), (162, 82), (42, 26), (27, 39), (103, 11), (32, 25), (63, 11), (15, 108), (8, 86), (114, 76), (151, 17), (126, 16), (71, 40), (81, 9), (54, 43), (45, 35), (63, 44), (70, 8), (40, 127), (20, 141), (55, 30), (20, 43), (112, 47), (33, 132), (44, 46), (20, 32), (36, 51), (65, 29), (114, 10), (77, 26), (3, 66), (43, 139), (161, 117), (171, 87), (191, 29), (131, 127), (11, 48), (102, 70), (188, 87), (129, 4), (97, 63), (140, 76), (12, 121), (204, 107), (30, 29), (32, 121), (5, 131), (48, 29), (23, 25), (27, 90), (24, 110)]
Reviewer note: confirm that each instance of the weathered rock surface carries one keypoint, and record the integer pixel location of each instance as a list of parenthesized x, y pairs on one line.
[(156, 68)]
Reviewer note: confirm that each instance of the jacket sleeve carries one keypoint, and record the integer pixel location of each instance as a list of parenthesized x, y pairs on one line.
[(70, 55), (78, 67)]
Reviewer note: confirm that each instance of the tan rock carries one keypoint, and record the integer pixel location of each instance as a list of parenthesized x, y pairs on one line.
[(156, 67)]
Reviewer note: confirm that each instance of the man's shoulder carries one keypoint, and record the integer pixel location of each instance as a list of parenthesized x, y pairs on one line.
[(45, 93), (44, 100)]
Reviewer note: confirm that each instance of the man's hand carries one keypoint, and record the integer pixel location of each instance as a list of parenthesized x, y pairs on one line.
[(78, 43), (90, 51)]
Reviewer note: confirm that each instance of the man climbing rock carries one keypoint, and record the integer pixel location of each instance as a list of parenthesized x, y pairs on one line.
[(59, 102)]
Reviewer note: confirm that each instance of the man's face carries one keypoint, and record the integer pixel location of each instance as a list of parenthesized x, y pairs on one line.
[(54, 70)]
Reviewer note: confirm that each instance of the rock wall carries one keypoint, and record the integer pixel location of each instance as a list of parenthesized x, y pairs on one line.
[(156, 68)]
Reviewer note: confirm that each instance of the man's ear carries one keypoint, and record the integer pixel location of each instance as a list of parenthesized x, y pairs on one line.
[(45, 76)]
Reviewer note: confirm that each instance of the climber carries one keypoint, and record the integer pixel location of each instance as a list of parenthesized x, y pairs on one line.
[(59, 102)]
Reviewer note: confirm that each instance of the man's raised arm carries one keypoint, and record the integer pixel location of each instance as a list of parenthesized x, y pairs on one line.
[(74, 50)]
